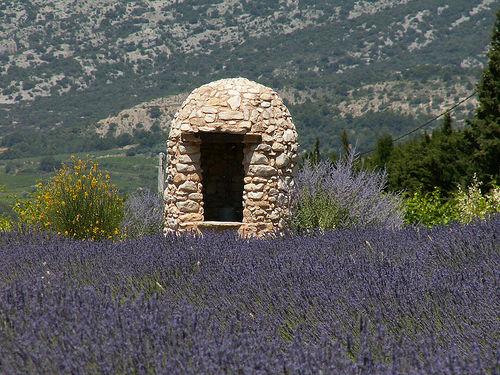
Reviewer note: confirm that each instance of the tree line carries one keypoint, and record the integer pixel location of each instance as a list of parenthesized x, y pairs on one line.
[(445, 157)]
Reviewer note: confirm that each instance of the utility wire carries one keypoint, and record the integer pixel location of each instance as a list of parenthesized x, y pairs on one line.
[(428, 122)]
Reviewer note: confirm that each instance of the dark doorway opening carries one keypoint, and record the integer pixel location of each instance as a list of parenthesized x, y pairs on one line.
[(223, 174)]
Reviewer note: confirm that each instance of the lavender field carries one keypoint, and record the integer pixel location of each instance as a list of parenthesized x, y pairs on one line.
[(357, 301)]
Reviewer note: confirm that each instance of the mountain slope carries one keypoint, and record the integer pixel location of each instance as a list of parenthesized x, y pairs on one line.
[(72, 63)]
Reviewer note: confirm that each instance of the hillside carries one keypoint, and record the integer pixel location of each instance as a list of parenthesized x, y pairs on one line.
[(65, 65)]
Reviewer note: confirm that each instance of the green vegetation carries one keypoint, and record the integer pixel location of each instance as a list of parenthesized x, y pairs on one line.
[(79, 202), (465, 205), (129, 173), (431, 166), (484, 131)]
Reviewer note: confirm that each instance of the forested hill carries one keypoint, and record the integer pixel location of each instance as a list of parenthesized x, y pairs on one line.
[(366, 66)]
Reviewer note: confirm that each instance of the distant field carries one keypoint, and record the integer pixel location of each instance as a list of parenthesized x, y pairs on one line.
[(128, 173)]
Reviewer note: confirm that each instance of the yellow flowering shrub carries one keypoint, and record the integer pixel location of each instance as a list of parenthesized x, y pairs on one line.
[(79, 201)]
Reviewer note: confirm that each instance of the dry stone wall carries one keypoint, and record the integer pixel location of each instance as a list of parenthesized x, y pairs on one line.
[(231, 107)]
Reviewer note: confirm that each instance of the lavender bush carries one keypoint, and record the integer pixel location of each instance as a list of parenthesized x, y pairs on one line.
[(354, 301), (143, 214), (338, 195)]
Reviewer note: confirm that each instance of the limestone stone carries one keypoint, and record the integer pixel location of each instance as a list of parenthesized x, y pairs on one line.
[(258, 180), (197, 121), (189, 186), (270, 129), (234, 102), (282, 160), (231, 115), (267, 138), (191, 217), (263, 147), (289, 136), (188, 206), (262, 203), (183, 168), (254, 115), (262, 170), (189, 158), (195, 196), (279, 147), (273, 192), (206, 129), (257, 158), (196, 177), (245, 124), (255, 195), (210, 117), (254, 187), (211, 110), (179, 178)]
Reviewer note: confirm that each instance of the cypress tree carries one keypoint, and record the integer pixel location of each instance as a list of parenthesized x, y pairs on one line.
[(383, 152), (447, 130), (484, 129)]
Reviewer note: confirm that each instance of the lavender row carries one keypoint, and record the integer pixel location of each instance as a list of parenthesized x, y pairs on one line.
[(409, 301)]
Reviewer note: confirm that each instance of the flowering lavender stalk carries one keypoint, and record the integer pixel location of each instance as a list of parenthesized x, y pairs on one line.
[(143, 214), (351, 301), (337, 195)]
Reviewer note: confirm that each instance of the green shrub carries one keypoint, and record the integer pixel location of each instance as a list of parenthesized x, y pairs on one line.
[(472, 204), (466, 205), (429, 209), (79, 201)]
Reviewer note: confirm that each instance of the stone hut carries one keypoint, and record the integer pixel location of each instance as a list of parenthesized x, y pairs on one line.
[(231, 147)]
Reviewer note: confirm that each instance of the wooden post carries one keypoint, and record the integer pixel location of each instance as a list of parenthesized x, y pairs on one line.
[(161, 173)]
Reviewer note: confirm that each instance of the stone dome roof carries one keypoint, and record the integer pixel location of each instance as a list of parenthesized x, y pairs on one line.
[(234, 105)]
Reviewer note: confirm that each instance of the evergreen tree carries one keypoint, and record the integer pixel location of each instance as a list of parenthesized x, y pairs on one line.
[(447, 129), (345, 142), (484, 129), (383, 152)]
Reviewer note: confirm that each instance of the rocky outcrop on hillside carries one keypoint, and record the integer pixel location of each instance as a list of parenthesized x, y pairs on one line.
[(158, 112), (407, 97)]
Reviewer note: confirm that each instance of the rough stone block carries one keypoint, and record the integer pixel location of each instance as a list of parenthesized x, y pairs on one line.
[(189, 186), (188, 206), (261, 170), (184, 168), (231, 115)]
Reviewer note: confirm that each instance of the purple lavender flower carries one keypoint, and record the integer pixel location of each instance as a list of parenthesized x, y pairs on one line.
[(339, 195), (143, 214)]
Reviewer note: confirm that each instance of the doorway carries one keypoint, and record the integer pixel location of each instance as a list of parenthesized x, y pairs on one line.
[(223, 176)]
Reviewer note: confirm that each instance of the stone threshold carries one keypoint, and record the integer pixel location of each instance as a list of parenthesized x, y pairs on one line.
[(218, 226)]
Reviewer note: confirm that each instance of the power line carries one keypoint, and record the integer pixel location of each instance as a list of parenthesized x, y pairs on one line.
[(428, 122)]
